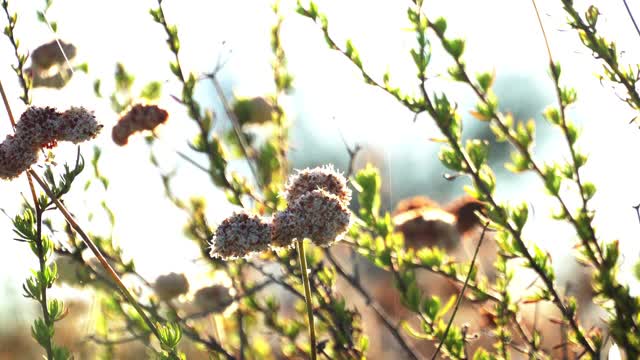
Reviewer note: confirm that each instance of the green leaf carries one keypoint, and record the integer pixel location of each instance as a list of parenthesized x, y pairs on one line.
[(478, 151), (439, 25), (485, 80), (431, 306), (592, 16), (369, 198), (572, 133), (552, 115), (170, 335), (450, 159), (455, 47), (589, 190), (124, 80), (152, 91), (552, 179), (519, 215)]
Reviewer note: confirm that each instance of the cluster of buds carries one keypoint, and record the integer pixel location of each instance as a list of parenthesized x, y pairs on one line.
[(318, 202), (139, 118), (42, 128)]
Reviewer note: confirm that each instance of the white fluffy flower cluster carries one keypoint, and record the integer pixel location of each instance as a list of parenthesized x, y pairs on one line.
[(323, 177), (239, 236), (318, 201), (318, 209), (43, 127)]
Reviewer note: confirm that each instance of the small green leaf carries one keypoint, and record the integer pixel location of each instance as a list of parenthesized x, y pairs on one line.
[(152, 91), (455, 47), (589, 190), (592, 16), (439, 25)]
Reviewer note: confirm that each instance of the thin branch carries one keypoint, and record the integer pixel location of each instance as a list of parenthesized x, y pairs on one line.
[(633, 20), (96, 251), (384, 317), (244, 147), (464, 287)]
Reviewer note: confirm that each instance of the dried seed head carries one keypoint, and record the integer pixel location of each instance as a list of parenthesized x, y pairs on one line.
[(16, 156), (139, 118), (324, 177), (49, 54), (285, 228), (213, 299), (324, 218), (171, 285), (43, 127), (38, 126), (239, 236), (77, 125)]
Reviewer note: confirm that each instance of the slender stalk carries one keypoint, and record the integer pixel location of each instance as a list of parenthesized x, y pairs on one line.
[(7, 107), (43, 265), (411, 352), (96, 251), (40, 249), (307, 295), (633, 20), (464, 287)]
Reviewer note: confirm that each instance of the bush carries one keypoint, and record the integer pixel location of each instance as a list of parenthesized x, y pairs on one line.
[(269, 292)]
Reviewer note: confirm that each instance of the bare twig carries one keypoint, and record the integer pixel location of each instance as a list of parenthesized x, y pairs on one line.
[(633, 20), (384, 317), (461, 296), (96, 251)]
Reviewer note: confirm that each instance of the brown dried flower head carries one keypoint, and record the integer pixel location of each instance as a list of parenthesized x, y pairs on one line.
[(285, 228), (38, 126), (16, 156), (47, 55), (323, 177), (43, 127), (240, 235), (171, 285), (322, 217), (139, 118), (213, 299), (77, 125)]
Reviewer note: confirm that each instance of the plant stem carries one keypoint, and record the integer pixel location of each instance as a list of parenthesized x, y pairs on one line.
[(459, 301), (39, 247), (42, 262), (96, 251), (307, 295)]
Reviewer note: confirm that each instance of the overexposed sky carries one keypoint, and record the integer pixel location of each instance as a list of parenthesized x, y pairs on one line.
[(329, 93)]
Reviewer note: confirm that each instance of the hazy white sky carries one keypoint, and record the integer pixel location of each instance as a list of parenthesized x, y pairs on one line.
[(500, 34)]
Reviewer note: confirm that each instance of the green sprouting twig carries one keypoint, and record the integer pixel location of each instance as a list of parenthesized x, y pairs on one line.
[(307, 295), (25, 82), (217, 165), (604, 50), (448, 122), (38, 240)]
